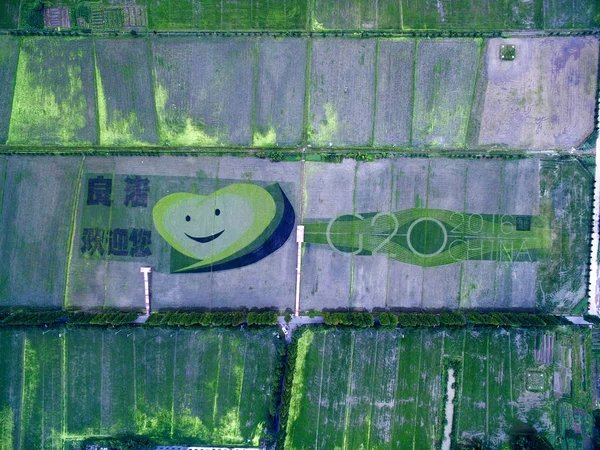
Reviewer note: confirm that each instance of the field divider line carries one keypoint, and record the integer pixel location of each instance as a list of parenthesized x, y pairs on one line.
[(3, 184), (255, 70), (307, 83), (217, 383), (20, 437), (348, 391), (71, 244), (462, 372), (173, 388), (417, 397), (375, 90), (63, 383), (97, 87), (13, 95), (243, 377), (372, 391), (487, 387), (426, 206), (414, 92), (43, 370), (320, 388), (462, 264), (474, 91), (110, 214), (153, 81), (134, 377), (396, 402), (510, 377)]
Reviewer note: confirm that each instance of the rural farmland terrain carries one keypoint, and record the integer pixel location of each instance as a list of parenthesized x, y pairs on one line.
[(386, 389), (200, 387), (317, 15), (371, 93), (405, 233)]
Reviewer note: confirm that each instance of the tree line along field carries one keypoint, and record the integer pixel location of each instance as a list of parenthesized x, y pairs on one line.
[(317, 15), (202, 387), (385, 93), (386, 389)]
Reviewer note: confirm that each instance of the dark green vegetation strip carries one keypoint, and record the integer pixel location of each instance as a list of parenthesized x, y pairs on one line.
[(202, 387), (380, 389), (315, 15)]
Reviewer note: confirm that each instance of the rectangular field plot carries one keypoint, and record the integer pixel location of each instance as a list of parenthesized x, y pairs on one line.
[(384, 389), (544, 98), (126, 111), (565, 14), (226, 15), (280, 92), (395, 76), (37, 213), (202, 387), (116, 233), (55, 96), (469, 15), (425, 234), (204, 90), (356, 14), (404, 233), (444, 91), (342, 92), (9, 53), (9, 14)]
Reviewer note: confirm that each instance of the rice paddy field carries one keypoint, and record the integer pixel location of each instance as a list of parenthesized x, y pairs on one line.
[(54, 98), (387, 93), (386, 389), (327, 92), (404, 233), (298, 15), (382, 242), (200, 387)]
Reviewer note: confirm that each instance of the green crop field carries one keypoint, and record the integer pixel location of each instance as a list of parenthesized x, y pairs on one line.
[(228, 15), (55, 97), (9, 52), (384, 389), (200, 387), (317, 15)]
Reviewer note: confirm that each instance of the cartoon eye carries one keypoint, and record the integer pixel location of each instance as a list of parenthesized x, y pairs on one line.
[(217, 212), (188, 218)]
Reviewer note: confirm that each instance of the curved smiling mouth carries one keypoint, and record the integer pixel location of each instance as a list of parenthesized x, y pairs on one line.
[(205, 239)]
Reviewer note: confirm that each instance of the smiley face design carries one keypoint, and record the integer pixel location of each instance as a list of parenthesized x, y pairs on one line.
[(226, 229)]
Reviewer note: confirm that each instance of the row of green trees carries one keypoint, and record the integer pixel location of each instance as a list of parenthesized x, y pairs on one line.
[(108, 318), (448, 319), (38, 318), (208, 319)]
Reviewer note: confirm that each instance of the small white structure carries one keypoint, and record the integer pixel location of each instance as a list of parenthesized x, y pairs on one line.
[(146, 271), (299, 240)]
